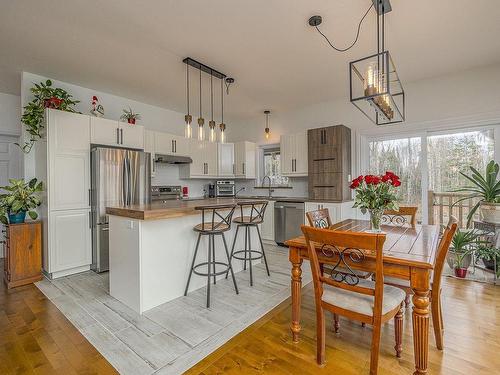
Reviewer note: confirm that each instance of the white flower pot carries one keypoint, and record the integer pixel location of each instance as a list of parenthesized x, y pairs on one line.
[(490, 212)]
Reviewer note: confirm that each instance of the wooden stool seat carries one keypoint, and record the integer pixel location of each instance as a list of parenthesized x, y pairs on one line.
[(211, 227), (247, 220)]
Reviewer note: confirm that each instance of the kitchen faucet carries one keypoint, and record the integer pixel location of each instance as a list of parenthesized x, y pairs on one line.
[(269, 187)]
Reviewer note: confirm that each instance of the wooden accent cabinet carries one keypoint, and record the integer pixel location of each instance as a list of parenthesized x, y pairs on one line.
[(329, 162), (23, 254)]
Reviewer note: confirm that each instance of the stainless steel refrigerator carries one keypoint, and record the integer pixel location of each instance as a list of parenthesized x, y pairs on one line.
[(119, 177)]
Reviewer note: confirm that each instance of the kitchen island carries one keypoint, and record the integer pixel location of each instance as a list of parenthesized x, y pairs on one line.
[(151, 248)]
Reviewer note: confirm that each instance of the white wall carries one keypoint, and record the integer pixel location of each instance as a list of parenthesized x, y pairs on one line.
[(10, 114)]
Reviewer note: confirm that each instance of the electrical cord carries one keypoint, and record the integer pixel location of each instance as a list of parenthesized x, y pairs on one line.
[(357, 34)]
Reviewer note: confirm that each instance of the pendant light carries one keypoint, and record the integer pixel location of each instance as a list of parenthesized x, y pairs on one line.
[(222, 126), (212, 137), (201, 120), (266, 130), (188, 131)]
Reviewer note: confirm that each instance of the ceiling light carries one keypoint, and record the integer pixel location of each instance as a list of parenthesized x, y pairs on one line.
[(266, 130), (222, 126), (375, 87), (188, 132), (212, 137), (201, 120)]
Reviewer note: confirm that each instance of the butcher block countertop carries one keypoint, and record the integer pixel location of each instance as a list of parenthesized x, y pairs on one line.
[(171, 209)]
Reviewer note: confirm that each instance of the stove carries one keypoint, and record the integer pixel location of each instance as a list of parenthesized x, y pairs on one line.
[(165, 193)]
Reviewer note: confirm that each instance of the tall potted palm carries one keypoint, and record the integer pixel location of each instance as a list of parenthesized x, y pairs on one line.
[(487, 188)]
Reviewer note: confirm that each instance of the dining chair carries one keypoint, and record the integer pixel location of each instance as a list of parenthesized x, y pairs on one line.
[(402, 217), (347, 295), (436, 308)]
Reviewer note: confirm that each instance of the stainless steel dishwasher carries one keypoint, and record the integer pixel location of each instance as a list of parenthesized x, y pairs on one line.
[(288, 217)]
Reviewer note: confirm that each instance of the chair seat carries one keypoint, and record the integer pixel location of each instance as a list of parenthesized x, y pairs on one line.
[(247, 220), (207, 227), (361, 303)]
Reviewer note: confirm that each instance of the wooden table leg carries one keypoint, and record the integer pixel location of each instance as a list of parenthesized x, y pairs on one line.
[(420, 286), (296, 284)]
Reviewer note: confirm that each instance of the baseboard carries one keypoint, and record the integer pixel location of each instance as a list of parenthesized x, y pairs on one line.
[(72, 271)]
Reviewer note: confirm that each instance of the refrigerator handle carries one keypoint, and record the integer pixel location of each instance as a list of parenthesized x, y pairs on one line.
[(124, 181), (129, 172)]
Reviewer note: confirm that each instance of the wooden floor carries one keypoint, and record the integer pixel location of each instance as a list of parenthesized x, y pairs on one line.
[(472, 341), (36, 338)]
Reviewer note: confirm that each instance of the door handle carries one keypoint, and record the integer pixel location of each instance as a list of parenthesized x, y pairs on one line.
[(233, 169), (175, 146), (172, 145), (90, 219), (121, 134), (117, 136), (90, 197), (243, 168)]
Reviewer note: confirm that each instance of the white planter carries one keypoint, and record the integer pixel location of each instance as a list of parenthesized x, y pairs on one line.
[(490, 212)]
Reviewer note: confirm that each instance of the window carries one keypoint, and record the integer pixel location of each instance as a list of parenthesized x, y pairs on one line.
[(403, 157), (272, 167)]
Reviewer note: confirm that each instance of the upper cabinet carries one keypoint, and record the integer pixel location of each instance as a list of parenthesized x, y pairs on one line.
[(244, 159), (169, 144), (149, 146), (293, 153), (225, 159), (116, 133), (204, 165), (330, 162)]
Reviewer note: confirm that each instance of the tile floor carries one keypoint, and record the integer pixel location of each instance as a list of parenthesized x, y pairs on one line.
[(170, 338)]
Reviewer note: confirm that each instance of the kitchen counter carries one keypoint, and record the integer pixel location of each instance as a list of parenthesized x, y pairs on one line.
[(172, 209), (295, 199)]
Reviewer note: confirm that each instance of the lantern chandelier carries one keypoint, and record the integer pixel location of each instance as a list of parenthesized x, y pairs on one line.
[(375, 87), (188, 118)]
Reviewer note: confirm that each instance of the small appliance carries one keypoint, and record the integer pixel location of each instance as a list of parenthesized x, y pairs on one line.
[(161, 194), (211, 190), (224, 188)]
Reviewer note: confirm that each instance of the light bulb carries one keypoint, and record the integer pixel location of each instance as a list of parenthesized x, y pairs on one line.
[(188, 131), (201, 133)]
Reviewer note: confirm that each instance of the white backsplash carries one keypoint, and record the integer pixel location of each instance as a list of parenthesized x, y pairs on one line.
[(168, 174)]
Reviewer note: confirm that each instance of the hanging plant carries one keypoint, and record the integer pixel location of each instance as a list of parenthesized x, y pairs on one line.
[(45, 96)]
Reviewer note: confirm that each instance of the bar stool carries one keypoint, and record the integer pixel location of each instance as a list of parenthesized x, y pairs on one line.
[(256, 216), (220, 222)]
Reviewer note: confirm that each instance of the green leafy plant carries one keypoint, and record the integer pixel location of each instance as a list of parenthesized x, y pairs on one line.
[(129, 115), (486, 187), (487, 252), (20, 196), (45, 96), (464, 243)]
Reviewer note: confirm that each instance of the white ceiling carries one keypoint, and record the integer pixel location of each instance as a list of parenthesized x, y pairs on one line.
[(134, 48)]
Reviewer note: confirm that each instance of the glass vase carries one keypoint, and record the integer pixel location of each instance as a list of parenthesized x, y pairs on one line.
[(375, 219)]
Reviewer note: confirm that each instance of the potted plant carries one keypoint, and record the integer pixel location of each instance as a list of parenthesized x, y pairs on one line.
[(487, 253), (487, 188), (375, 194), (463, 244), (20, 197), (45, 96), (130, 116)]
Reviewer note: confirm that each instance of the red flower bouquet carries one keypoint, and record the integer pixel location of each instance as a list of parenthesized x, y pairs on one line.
[(375, 194)]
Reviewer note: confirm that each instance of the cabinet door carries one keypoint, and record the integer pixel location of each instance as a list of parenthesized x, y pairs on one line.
[(70, 244), (225, 159), (287, 148), (181, 145), (239, 158), (267, 228), (198, 167), (104, 131), (250, 153), (131, 136), (210, 151), (164, 143), (149, 146), (69, 160), (300, 154)]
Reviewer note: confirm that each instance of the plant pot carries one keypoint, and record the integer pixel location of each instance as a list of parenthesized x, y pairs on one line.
[(131, 121), (490, 212), (451, 259), (17, 218), (461, 272)]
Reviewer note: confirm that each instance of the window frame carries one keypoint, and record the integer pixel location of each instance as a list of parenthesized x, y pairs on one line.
[(423, 134)]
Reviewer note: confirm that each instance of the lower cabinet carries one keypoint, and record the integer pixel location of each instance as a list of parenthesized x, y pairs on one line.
[(338, 211), (267, 228), (69, 241)]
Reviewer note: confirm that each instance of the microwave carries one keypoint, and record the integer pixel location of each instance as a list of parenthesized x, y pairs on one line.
[(224, 188)]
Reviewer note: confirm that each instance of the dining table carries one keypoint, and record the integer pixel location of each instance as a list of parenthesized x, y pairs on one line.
[(408, 254)]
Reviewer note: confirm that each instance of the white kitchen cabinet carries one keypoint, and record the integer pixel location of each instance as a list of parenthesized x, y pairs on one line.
[(225, 159), (131, 136), (244, 159), (267, 228), (115, 133), (149, 146), (169, 144), (204, 156), (338, 211), (210, 152), (293, 154)]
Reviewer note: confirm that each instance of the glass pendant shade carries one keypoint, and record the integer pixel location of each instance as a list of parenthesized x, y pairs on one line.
[(222, 128), (266, 130), (376, 90), (267, 133), (188, 131), (201, 132), (212, 136)]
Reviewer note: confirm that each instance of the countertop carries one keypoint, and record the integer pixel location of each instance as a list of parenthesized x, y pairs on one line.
[(294, 199), (172, 209)]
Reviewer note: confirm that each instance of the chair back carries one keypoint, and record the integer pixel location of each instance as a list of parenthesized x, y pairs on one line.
[(257, 210), (442, 251), (403, 217), (346, 249), (219, 216), (319, 218)]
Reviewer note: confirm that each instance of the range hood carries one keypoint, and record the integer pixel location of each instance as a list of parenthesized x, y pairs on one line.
[(173, 159)]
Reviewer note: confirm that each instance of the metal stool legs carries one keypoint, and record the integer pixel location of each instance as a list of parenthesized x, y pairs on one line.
[(248, 253), (211, 263)]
